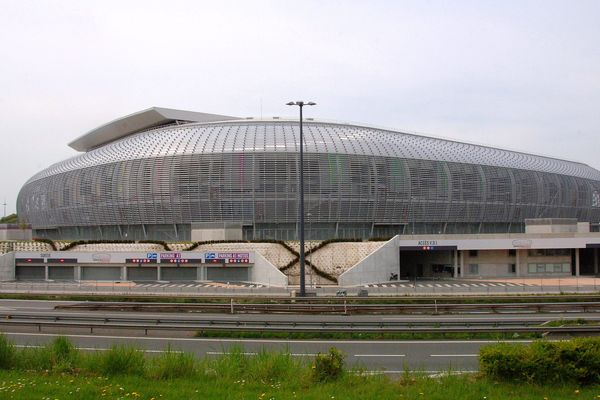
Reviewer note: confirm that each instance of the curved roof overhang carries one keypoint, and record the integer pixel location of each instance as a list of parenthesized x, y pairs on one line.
[(140, 121)]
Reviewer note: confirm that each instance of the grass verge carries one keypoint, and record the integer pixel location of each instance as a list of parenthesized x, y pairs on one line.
[(209, 385), (59, 371), (363, 336)]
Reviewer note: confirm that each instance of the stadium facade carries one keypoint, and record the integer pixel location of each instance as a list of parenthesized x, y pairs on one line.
[(451, 208), (177, 175)]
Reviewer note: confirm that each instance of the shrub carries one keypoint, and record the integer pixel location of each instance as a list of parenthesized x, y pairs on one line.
[(7, 353), (47, 241), (273, 366), (232, 364), (63, 354), (59, 355), (329, 366), (172, 365), (576, 360), (120, 360)]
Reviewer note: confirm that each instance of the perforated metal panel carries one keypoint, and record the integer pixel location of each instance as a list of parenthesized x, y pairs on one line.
[(363, 180)]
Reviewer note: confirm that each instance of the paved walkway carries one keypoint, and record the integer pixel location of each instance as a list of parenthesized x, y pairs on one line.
[(431, 287)]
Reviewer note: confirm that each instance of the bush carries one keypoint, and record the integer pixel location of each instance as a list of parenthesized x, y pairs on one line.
[(120, 360), (271, 366), (59, 355), (7, 353), (172, 365), (63, 355), (329, 366), (576, 360)]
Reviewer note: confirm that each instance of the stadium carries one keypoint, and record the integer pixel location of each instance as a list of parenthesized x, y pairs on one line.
[(175, 175)]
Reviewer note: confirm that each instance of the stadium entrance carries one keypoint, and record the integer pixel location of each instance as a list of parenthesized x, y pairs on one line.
[(428, 262)]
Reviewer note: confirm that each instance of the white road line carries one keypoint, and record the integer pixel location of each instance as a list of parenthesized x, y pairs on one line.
[(222, 353), (431, 372), (27, 346), (454, 355), (380, 355)]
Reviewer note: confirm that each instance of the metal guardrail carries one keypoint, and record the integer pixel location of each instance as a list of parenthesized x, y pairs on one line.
[(165, 324), (344, 308)]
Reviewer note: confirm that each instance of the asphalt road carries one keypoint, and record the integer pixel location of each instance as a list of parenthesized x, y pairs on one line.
[(35, 307), (386, 356)]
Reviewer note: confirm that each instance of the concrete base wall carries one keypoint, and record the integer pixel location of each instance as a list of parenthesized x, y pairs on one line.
[(7, 266), (204, 232), (376, 267), (15, 233), (265, 273)]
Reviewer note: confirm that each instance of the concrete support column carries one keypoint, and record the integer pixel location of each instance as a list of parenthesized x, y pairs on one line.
[(518, 262), (124, 273), (46, 272), (576, 262), (158, 273), (462, 263), (596, 261), (455, 272), (77, 273)]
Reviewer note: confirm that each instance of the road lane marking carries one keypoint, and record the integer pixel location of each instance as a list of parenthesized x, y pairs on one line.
[(33, 346), (380, 355), (222, 353), (454, 355)]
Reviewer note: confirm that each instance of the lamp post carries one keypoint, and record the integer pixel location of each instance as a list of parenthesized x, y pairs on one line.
[(301, 104)]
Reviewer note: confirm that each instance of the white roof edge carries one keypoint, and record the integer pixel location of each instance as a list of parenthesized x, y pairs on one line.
[(139, 121)]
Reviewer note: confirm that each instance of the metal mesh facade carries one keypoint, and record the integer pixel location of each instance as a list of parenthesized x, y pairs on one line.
[(359, 182)]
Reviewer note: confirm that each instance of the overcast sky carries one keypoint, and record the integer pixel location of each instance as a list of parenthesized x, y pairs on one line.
[(521, 75)]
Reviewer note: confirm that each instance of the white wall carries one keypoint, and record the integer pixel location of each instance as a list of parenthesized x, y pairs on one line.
[(376, 267), (265, 273), (7, 267)]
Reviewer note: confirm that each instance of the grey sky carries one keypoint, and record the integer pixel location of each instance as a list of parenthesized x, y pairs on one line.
[(522, 75)]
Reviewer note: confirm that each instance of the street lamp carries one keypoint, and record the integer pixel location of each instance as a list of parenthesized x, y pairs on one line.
[(301, 104)]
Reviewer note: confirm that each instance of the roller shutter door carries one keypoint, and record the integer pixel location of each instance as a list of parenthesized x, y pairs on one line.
[(61, 273), (227, 274), (100, 273), (179, 274), (142, 273), (30, 273)]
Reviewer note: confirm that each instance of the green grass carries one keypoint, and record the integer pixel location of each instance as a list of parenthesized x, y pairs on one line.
[(570, 322), (211, 385), (364, 336), (60, 371)]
